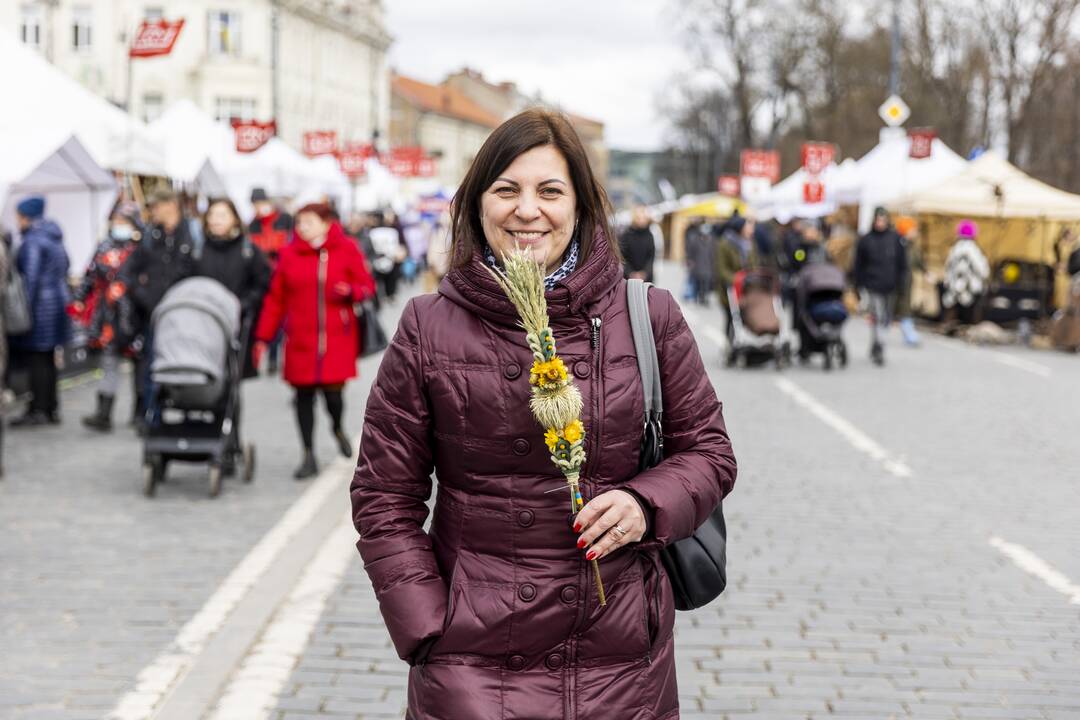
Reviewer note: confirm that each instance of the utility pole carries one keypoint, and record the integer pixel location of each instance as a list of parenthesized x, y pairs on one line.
[(50, 12), (275, 84), (894, 57)]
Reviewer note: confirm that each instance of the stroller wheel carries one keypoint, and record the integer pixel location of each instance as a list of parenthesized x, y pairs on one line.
[(153, 473), (215, 480), (740, 361), (729, 358), (828, 360), (249, 463), (841, 351)]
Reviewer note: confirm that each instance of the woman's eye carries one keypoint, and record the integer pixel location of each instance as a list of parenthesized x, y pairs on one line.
[(551, 192), (504, 191)]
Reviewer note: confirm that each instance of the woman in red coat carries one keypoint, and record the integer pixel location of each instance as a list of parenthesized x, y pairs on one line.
[(319, 276)]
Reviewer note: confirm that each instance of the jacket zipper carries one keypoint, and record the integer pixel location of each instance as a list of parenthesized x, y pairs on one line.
[(590, 462), (323, 261)]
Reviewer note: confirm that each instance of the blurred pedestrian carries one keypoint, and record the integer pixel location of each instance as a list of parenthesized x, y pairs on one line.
[(809, 246), (5, 268), (638, 246), (43, 263), (1072, 261), (880, 267), (908, 230), (966, 274), (96, 305), (390, 252), (320, 275), (270, 231), (735, 251), (700, 258), (232, 259), (164, 257)]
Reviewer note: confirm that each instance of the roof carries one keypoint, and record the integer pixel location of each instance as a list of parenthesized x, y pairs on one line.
[(442, 100)]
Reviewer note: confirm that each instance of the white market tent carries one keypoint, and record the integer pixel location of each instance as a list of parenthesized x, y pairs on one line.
[(190, 139), (78, 192), (991, 187), (785, 200), (888, 172), (43, 97)]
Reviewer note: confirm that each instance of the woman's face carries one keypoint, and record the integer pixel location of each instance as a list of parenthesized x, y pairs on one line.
[(531, 204), (220, 220), (310, 227)]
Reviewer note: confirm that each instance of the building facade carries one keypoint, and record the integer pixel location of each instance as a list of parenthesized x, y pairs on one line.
[(309, 64), (447, 124)]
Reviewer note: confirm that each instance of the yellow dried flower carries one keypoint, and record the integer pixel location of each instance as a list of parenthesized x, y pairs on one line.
[(574, 431), (552, 372), (550, 438)]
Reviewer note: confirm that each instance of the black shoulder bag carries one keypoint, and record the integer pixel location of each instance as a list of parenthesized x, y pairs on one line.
[(697, 565)]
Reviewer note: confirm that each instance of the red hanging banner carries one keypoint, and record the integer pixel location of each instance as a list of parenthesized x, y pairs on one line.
[(320, 142), (728, 185), (922, 142), (353, 158), (816, 156), (410, 161), (813, 191), (760, 164), (252, 135), (155, 38)]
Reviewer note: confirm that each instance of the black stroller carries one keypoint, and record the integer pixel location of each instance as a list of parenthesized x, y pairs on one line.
[(193, 408), (820, 313)]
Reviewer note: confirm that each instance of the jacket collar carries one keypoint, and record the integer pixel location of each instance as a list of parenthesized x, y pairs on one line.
[(472, 286), (334, 237)]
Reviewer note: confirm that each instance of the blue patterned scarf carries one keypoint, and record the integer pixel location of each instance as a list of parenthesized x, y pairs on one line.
[(569, 263)]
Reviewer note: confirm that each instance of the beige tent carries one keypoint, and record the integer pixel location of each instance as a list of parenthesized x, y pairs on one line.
[(1018, 216), (714, 207)]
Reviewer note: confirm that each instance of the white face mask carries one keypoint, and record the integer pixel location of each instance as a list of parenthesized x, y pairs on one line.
[(122, 232)]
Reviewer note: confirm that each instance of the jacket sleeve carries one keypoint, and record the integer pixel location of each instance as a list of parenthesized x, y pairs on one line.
[(273, 308), (363, 284), (859, 267), (389, 492), (257, 281), (31, 263), (699, 468)]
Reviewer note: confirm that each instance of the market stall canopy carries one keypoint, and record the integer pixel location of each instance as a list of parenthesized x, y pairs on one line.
[(889, 172), (44, 97), (673, 224), (992, 187), (785, 200), (78, 192), (194, 146)]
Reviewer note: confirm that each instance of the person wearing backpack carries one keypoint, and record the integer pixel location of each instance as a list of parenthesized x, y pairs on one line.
[(42, 262)]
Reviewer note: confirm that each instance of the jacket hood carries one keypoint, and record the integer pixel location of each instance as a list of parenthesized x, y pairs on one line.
[(335, 236), (473, 288), (46, 229)]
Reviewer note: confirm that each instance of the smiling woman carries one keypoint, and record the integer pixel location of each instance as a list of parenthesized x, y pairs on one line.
[(497, 608)]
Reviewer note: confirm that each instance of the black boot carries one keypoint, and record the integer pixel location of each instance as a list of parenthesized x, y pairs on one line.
[(877, 354), (101, 419), (343, 442), (307, 468)]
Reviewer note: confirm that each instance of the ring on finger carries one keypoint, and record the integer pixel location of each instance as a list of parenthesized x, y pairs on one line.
[(618, 528)]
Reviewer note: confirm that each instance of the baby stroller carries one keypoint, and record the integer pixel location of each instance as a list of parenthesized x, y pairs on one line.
[(756, 331), (820, 313), (193, 409)]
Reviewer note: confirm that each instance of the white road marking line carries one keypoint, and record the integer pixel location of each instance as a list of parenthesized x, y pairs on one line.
[(858, 439), (1020, 363), (1035, 565), (156, 680), (254, 690)]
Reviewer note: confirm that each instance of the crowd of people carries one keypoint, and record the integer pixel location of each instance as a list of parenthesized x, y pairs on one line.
[(300, 280)]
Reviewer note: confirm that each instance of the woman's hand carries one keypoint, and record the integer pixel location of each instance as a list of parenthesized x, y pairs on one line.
[(601, 520), (343, 291)]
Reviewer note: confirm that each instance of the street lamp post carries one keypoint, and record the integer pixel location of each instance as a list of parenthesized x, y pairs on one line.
[(894, 56)]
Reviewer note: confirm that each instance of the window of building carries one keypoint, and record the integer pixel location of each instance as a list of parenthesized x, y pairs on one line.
[(227, 108), (31, 24), (153, 105), (223, 28), (153, 12), (81, 26)]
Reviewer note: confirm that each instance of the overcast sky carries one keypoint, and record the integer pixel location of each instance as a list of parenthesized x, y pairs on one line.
[(605, 59)]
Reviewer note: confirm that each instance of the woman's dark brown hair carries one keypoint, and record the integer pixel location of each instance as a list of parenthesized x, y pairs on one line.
[(523, 132)]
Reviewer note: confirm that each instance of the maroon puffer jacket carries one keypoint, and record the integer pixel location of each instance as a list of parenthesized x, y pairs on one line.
[(499, 580)]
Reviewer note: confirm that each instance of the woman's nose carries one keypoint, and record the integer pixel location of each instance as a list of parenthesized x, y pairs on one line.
[(528, 208)]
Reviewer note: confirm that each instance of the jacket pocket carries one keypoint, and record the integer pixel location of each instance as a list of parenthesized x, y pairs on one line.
[(479, 616)]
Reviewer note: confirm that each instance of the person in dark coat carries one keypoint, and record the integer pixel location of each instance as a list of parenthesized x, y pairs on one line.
[(638, 247), (43, 263), (495, 607), (700, 257), (320, 275), (95, 306), (880, 267)]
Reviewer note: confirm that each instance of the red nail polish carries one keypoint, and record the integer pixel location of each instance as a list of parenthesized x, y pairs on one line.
[(581, 543), (590, 555), (577, 527)]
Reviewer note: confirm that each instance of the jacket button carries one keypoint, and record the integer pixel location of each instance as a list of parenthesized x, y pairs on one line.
[(582, 369), (522, 446), (569, 595), (516, 662), (525, 518), (527, 592), (512, 371), (554, 661)]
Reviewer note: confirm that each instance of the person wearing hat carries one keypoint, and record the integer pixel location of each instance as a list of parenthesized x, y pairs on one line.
[(880, 267), (270, 231), (95, 305), (43, 263), (966, 274), (164, 257)]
